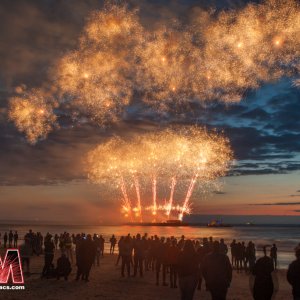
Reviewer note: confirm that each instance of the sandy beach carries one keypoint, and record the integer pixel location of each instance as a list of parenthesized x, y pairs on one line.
[(107, 283)]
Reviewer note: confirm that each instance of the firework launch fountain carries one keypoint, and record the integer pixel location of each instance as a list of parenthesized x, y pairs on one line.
[(178, 159)]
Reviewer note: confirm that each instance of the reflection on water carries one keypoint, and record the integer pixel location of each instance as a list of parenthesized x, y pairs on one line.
[(286, 238)]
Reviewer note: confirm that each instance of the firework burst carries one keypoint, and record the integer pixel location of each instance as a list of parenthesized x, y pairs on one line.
[(189, 155), (215, 56), (33, 114)]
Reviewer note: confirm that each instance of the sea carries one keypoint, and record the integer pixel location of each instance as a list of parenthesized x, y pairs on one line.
[(286, 238)]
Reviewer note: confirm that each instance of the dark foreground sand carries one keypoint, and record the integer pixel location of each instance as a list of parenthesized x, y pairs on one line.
[(106, 283)]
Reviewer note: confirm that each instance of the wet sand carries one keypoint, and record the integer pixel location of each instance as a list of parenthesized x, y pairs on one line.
[(107, 283)]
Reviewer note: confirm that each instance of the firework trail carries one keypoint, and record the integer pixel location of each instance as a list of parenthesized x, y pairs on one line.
[(188, 196), (154, 195), (138, 195), (126, 202), (170, 204)]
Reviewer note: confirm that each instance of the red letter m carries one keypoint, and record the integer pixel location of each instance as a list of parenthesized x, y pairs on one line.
[(11, 266)]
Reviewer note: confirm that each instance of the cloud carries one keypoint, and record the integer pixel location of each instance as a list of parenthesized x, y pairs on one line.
[(219, 192), (275, 204)]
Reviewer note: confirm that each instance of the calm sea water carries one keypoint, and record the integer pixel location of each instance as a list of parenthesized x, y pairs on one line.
[(286, 238)]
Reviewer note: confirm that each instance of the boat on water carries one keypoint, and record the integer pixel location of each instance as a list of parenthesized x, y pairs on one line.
[(217, 224), (168, 223)]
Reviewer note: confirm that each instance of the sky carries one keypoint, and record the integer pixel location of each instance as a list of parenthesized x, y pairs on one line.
[(48, 181)]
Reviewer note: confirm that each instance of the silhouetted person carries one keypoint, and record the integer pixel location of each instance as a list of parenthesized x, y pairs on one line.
[(102, 241), (173, 255), (89, 254), (273, 255), (49, 255), (113, 242), (79, 255), (293, 275), (5, 237), (159, 260), (201, 255), (56, 239), (251, 255), (217, 272), (188, 271), (233, 247), (239, 256), (264, 282), (98, 249), (68, 247), (10, 239), (126, 254), (139, 248), (63, 268), (16, 237), (120, 245), (223, 247), (181, 242), (25, 253)]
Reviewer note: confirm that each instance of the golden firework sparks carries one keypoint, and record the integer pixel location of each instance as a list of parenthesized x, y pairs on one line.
[(154, 158), (216, 56), (33, 114)]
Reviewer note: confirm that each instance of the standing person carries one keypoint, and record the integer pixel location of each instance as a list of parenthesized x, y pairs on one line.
[(25, 253), (10, 238), (159, 260), (68, 247), (188, 271), (201, 255), (5, 237), (173, 255), (49, 255), (120, 245), (223, 247), (79, 255), (273, 255), (62, 243), (217, 272), (139, 255), (251, 255), (181, 242), (126, 254), (98, 251), (265, 281), (239, 252), (89, 255), (293, 275), (102, 242), (16, 237), (56, 238), (233, 247), (113, 242)]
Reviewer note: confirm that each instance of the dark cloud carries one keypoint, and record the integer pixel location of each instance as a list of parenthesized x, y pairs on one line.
[(275, 204)]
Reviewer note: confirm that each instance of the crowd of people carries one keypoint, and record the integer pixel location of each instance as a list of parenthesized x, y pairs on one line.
[(182, 263), (10, 239)]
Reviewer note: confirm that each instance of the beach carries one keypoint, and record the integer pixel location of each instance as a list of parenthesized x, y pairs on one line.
[(106, 283)]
